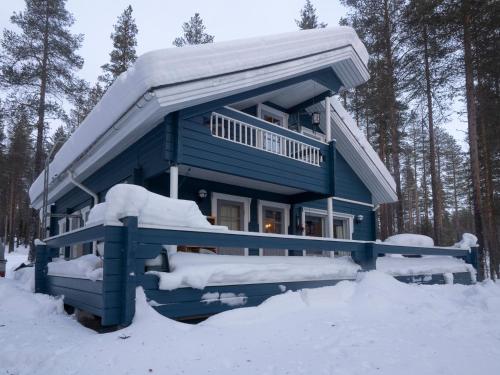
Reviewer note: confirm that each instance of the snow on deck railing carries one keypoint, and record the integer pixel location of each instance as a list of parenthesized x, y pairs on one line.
[(249, 135)]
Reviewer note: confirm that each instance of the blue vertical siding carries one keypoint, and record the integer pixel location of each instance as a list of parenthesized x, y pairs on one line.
[(347, 183)]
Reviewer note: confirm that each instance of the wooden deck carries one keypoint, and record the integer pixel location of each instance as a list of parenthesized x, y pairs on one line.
[(126, 248)]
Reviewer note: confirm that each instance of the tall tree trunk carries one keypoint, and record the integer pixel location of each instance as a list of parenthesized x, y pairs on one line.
[(12, 232), (436, 193), (472, 132), (455, 197), (393, 120), (40, 127)]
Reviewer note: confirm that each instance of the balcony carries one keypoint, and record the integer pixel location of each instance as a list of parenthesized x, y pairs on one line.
[(230, 146), (243, 133)]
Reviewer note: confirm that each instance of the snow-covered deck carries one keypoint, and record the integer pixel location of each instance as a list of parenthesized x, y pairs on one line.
[(202, 284)]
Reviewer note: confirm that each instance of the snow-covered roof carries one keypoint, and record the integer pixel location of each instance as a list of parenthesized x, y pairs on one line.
[(168, 80)]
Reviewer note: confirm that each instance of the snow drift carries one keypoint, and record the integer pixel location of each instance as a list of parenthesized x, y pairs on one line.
[(409, 239), (86, 267), (152, 209), (199, 270)]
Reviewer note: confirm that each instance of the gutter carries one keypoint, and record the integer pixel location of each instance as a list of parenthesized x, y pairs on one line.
[(94, 196)]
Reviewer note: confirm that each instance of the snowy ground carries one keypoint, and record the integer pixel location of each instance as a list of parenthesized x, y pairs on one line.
[(375, 325)]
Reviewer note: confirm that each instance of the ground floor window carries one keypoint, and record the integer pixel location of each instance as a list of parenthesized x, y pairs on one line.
[(273, 218), (315, 224), (76, 220), (233, 212)]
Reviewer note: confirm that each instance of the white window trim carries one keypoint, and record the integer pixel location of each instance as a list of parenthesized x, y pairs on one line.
[(312, 134), (323, 213), (286, 220), (234, 198), (339, 215), (274, 112)]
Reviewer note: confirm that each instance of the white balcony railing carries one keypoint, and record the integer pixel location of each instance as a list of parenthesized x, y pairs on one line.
[(252, 136)]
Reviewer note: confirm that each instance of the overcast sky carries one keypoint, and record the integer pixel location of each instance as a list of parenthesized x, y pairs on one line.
[(160, 21)]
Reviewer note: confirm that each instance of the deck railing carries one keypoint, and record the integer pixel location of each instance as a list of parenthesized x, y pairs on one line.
[(237, 131), (127, 247)]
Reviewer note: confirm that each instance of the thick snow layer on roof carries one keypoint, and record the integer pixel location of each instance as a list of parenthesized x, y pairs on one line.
[(177, 71)]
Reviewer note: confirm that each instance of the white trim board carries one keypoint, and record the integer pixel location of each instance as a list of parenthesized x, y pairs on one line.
[(353, 202)]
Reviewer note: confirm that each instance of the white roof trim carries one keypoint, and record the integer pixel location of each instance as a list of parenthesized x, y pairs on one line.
[(167, 80)]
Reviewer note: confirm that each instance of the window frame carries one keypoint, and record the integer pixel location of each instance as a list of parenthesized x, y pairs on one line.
[(215, 197), (273, 112), (261, 204)]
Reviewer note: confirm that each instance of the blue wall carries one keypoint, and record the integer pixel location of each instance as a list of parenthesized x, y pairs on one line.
[(200, 149)]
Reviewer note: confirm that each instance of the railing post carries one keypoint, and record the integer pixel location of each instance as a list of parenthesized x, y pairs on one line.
[(41, 269), (367, 259), (473, 257), (129, 283)]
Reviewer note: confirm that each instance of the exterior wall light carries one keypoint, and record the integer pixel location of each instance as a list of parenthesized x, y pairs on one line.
[(202, 193), (359, 219), (316, 118)]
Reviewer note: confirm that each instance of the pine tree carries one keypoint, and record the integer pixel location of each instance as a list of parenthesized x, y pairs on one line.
[(193, 33), (40, 61), (17, 167), (123, 54), (429, 66), (378, 23), (84, 100), (309, 18)]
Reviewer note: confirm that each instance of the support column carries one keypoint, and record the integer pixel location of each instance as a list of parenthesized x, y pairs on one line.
[(329, 200), (174, 181)]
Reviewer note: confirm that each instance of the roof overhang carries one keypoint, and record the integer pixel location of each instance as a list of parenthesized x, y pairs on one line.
[(359, 154), (168, 80)]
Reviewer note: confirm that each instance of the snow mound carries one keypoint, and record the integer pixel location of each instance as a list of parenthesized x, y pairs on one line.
[(124, 200), (468, 240), (26, 278), (86, 267), (199, 270), (426, 265), (23, 303), (408, 239)]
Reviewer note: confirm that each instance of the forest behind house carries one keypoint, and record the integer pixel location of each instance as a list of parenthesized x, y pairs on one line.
[(428, 59)]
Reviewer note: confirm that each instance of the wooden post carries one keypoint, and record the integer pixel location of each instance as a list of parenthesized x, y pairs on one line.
[(368, 258), (473, 257), (2, 258), (41, 269), (129, 283)]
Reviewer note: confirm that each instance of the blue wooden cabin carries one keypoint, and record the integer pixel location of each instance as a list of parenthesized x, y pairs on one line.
[(250, 130)]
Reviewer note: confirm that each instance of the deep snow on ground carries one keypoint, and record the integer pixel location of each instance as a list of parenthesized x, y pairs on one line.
[(374, 325)]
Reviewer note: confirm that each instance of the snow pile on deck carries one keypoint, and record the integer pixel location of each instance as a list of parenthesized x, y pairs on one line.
[(199, 270), (86, 267), (152, 209), (374, 325), (426, 265), (468, 240), (409, 239)]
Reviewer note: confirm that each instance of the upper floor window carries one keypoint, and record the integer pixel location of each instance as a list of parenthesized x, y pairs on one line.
[(272, 115)]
